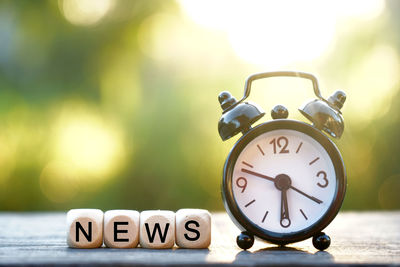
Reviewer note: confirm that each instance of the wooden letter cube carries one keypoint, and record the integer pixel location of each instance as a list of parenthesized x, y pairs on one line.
[(85, 228), (193, 228), (157, 229), (121, 228)]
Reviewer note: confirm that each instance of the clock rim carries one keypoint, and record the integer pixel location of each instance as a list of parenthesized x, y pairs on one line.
[(246, 224)]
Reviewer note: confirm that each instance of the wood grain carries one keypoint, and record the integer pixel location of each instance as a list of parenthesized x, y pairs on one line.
[(368, 238)]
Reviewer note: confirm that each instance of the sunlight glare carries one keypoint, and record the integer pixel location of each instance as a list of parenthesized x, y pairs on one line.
[(261, 35)]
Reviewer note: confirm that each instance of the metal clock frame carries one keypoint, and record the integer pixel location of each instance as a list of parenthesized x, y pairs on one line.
[(246, 224)]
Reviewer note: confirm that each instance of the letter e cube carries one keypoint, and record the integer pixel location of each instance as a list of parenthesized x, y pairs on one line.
[(121, 228)]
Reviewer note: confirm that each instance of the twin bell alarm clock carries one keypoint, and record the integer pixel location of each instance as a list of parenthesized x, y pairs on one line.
[(284, 180)]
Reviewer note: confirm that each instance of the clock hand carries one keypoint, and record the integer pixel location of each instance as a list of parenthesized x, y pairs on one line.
[(304, 194), (273, 180), (259, 175), (285, 220)]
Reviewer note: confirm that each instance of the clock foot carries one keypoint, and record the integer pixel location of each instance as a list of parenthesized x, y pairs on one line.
[(321, 241), (245, 240)]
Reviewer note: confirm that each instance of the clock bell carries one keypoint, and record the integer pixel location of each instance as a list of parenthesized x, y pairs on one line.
[(238, 116)]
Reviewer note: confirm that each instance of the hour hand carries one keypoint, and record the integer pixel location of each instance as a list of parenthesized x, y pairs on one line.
[(285, 219), (258, 175)]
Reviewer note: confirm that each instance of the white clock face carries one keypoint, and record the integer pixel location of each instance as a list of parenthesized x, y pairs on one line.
[(284, 181)]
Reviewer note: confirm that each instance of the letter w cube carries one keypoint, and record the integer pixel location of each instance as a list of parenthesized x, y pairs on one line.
[(157, 229)]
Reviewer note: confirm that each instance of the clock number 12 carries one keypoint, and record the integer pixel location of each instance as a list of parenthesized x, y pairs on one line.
[(282, 142)]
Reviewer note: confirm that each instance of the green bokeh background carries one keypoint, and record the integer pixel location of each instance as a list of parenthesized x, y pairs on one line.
[(122, 112)]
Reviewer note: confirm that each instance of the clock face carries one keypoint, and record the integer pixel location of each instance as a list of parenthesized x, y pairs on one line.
[(284, 181)]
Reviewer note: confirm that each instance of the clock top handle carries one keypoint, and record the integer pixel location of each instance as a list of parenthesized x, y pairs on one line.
[(262, 75)]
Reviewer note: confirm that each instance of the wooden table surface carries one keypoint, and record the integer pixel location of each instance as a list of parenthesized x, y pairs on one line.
[(371, 238)]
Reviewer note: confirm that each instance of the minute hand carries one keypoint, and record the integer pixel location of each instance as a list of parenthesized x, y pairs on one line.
[(304, 194), (273, 180)]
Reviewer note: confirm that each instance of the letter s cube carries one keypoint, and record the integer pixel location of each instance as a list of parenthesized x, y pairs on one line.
[(193, 228), (85, 228)]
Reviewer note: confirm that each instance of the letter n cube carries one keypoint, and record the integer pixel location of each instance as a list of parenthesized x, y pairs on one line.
[(85, 228)]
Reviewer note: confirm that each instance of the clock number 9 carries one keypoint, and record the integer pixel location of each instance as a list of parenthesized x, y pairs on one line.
[(243, 184), (275, 142), (323, 174)]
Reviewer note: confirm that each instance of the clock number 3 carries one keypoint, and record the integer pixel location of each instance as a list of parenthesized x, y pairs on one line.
[(282, 143), (241, 182), (323, 174)]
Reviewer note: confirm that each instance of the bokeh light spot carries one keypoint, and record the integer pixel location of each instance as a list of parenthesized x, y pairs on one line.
[(85, 12), (91, 146), (157, 41), (59, 181)]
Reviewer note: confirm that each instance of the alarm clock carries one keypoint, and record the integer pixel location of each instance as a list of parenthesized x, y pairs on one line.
[(284, 180)]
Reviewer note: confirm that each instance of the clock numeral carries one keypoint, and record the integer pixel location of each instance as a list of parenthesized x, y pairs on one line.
[(282, 142), (323, 174), (242, 184)]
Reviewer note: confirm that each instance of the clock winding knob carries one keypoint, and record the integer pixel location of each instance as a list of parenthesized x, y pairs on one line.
[(279, 112)]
